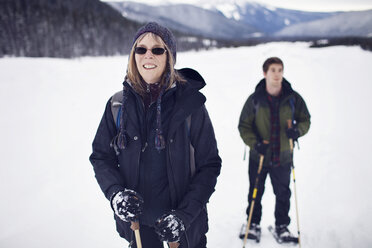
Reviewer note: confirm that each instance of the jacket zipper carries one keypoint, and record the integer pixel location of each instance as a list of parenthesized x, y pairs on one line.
[(171, 171)]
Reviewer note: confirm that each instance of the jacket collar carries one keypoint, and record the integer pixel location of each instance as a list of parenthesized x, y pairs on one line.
[(260, 90), (188, 96)]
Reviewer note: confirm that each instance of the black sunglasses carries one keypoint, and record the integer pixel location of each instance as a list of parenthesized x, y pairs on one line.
[(155, 51)]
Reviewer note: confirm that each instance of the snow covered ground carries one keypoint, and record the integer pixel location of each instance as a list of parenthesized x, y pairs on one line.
[(50, 109)]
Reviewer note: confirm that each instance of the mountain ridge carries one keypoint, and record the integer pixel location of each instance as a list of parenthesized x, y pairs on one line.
[(242, 19)]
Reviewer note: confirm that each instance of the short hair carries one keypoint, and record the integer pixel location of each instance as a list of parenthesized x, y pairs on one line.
[(270, 61), (134, 75)]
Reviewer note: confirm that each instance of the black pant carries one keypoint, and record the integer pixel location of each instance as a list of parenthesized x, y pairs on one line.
[(280, 178), (150, 239)]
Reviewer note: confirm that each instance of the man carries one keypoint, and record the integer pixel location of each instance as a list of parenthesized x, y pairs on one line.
[(271, 116)]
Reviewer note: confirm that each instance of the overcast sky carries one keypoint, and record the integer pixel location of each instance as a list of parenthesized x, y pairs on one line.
[(309, 5)]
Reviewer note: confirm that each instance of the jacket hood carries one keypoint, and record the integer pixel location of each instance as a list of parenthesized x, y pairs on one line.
[(189, 98), (194, 79), (189, 95)]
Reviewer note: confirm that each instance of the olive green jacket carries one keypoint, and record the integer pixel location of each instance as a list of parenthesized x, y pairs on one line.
[(255, 125)]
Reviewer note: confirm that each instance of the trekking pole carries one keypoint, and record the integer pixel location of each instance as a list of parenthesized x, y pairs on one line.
[(294, 186), (135, 227), (253, 197), (173, 244)]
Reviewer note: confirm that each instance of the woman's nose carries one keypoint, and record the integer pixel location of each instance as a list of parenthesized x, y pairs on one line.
[(149, 53)]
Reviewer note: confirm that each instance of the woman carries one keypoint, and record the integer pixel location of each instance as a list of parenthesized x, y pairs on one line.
[(155, 157)]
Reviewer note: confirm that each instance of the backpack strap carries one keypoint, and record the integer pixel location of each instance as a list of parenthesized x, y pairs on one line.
[(192, 149), (116, 102), (292, 101), (256, 105)]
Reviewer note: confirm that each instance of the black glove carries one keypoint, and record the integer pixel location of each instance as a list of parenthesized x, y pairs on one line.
[(127, 205), (293, 133), (261, 148), (169, 227)]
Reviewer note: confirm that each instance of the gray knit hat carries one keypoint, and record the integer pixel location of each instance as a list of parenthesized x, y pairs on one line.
[(164, 33)]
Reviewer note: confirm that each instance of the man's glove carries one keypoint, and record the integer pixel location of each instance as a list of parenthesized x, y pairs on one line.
[(169, 227), (261, 147), (127, 205), (293, 133)]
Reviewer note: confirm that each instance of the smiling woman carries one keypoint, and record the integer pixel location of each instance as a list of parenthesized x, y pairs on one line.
[(151, 66), (155, 154)]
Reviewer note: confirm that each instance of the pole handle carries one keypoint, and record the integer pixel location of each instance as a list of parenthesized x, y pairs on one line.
[(173, 244), (135, 227), (291, 144), (289, 123)]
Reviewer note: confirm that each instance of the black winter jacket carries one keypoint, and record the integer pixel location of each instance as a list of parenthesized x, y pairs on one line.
[(189, 193)]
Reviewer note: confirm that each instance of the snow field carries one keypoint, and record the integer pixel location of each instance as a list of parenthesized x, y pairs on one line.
[(51, 109)]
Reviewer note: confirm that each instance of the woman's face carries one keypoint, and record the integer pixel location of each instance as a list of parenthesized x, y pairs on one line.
[(149, 65)]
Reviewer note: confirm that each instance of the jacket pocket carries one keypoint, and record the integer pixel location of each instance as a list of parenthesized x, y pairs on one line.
[(198, 228), (123, 228)]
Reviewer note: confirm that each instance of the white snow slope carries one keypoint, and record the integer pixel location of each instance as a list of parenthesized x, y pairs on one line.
[(50, 110)]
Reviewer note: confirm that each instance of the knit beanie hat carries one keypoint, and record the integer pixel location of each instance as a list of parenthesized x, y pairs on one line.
[(164, 33)]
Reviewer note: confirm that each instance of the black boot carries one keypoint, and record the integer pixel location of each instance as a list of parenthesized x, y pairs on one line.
[(284, 235), (254, 232)]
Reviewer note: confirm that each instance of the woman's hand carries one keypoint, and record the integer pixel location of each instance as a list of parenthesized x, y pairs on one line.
[(169, 227), (127, 205)]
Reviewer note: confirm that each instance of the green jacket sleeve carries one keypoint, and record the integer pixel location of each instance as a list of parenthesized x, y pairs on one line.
[(246, 123), (302, 115)]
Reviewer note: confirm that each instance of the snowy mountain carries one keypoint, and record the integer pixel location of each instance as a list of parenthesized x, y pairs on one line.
[(189, 19), (239, 19), (266, 18), (350, 23)]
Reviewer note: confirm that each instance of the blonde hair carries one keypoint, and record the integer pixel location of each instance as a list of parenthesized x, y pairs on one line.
[(135, 77)]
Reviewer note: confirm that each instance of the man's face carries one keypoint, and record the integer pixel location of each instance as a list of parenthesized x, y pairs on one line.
[(274, 75)]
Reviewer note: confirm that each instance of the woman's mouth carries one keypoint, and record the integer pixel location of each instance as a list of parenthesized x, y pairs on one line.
[(149, 66)]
